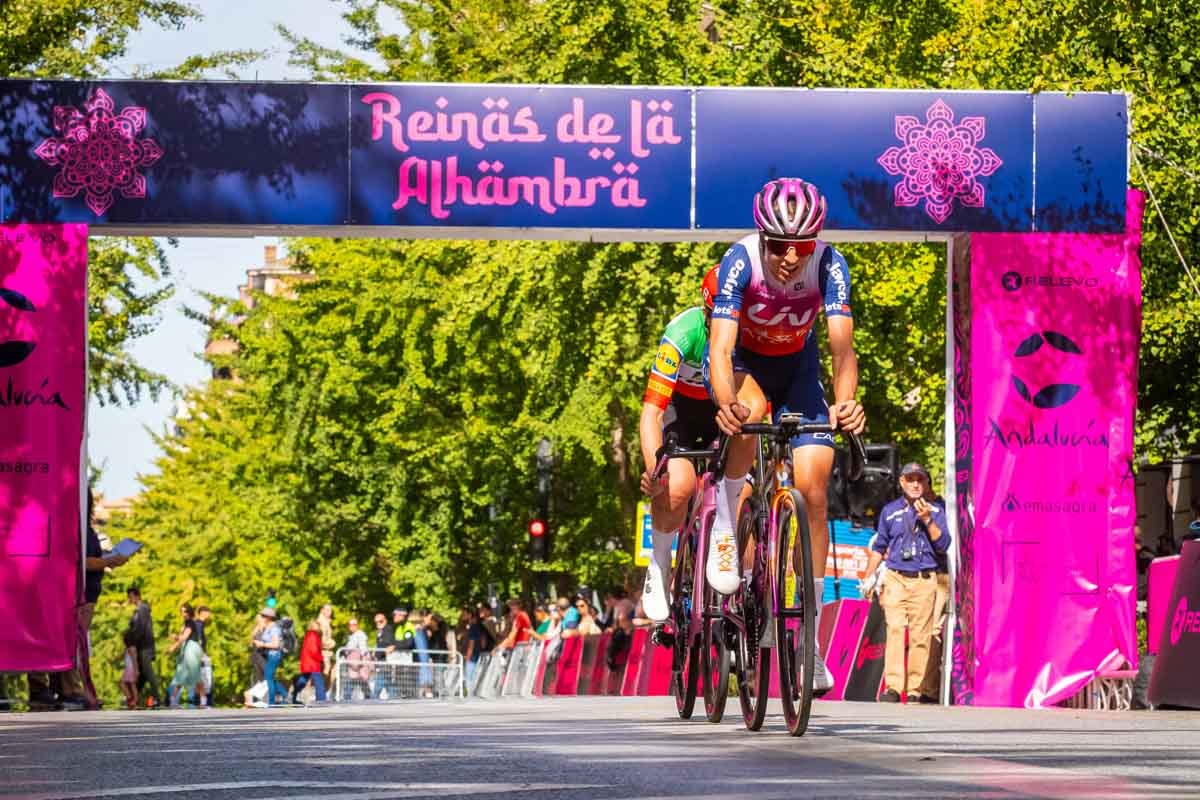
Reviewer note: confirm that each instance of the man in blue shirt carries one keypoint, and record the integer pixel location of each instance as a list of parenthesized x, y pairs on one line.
[(910, 535)]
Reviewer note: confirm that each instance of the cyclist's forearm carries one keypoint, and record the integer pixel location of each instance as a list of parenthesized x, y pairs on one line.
[(650, 429), (845, 376), (720, 361)]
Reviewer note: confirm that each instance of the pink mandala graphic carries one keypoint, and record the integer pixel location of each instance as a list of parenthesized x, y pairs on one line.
[(940, 161), (99, 152)]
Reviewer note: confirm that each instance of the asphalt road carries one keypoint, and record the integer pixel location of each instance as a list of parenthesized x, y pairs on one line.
[(601, 748)]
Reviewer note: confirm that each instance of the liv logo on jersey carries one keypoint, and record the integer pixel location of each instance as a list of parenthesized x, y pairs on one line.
[(1051, 395)]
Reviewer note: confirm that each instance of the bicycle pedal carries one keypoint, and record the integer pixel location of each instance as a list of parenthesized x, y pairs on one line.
[(663, 638)]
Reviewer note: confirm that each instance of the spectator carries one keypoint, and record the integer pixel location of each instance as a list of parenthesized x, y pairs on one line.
[(269, 639), (910, 531), (434, 630), (385, 645), (258, 656), (489, 623), (203, 616), (129, 674), (403, 629), (570, 616), (588, 626), (187, 662), (77, 688), (479, 641), (519, 627), (328, 643), (460, 630), (435, 633), (311, 664), (1143, 557), (141, 626), (358, 666), (541, 621), (553, 623)]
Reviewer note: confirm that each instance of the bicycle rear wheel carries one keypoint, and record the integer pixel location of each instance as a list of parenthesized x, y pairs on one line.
[(715, 657), (684, 655), (795, 630), (753, 662)]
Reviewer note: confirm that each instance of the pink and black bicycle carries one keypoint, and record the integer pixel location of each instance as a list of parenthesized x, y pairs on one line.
[(695, 629)]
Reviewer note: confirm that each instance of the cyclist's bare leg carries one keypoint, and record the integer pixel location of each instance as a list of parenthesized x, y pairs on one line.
[(724, 567), (740, 456), (668, 509), (811, 466), (667, 513)]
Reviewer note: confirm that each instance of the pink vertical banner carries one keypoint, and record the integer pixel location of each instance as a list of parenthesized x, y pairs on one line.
[(43, 399), (1055, 326)]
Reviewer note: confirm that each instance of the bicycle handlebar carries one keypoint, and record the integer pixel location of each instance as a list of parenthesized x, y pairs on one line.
[(788, 428), (671, 450)]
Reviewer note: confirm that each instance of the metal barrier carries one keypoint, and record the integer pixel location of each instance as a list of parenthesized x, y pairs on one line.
[(490, 677), (379, 675), (522, 669)]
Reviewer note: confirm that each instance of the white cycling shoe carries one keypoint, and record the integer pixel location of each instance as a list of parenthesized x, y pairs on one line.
[(822, 678), (722, 570), (656, 601)]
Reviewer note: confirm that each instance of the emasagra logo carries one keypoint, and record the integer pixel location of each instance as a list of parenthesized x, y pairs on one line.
[(15, 351), (1052, 395)]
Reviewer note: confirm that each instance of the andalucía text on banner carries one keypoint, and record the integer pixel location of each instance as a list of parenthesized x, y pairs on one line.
[(43, 371)]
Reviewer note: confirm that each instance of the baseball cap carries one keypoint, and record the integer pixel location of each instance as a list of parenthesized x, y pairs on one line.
[(399, 610), (267, 612), (913, 468)]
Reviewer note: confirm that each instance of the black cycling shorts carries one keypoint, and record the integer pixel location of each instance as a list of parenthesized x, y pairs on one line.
[(694, 422)]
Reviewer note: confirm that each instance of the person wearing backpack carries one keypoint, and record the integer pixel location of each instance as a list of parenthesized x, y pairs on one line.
[(270, 639)]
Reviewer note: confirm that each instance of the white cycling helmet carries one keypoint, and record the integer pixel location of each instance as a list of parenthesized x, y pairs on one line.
[(789, 208)]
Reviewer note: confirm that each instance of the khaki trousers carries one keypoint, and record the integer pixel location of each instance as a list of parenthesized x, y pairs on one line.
[(931, 686), (907, 605)]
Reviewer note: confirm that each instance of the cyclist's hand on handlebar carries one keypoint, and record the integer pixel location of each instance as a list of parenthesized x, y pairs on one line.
[(849, 416), (730, 417), (655, 488)]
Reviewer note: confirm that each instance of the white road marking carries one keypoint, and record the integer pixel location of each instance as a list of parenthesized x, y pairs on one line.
[(378, 789)]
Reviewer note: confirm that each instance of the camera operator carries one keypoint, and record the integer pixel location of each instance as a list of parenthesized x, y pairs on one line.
[(911, 534)]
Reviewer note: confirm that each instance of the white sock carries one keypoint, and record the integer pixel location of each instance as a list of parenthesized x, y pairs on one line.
[(662, 548), (727, 499)]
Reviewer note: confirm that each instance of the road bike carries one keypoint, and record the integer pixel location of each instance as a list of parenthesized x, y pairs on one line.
[(695, 628), (775, 609)]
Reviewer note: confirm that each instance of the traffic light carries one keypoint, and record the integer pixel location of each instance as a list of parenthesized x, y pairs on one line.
[(537, 539)]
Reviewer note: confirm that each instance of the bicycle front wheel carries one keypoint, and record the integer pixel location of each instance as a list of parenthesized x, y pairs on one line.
[(684, 655), (715, 657), (753, 662), (795, 612)]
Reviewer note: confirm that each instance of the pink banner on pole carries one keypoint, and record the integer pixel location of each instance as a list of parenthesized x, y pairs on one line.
[(43, 364), (1055, 325)]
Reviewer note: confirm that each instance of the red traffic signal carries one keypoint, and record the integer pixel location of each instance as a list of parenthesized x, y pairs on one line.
[(537, 528)]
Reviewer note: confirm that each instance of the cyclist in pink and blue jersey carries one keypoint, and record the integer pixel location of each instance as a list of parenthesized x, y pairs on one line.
[(770, 288)]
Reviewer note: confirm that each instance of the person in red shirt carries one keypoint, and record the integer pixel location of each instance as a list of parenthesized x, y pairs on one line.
[(311, 663), (519, 626)]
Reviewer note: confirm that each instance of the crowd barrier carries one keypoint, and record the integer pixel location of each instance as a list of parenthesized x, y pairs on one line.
[(378, 675), (852, 633), (574, 666)]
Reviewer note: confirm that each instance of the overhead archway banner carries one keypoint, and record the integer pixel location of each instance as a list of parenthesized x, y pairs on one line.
[(626, 162)]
